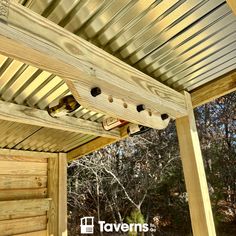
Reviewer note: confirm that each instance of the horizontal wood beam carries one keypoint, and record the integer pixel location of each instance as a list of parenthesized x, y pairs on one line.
[(232, 5), (32, 116), (95, 145), (24, 206), (35, 40), (214, 89)]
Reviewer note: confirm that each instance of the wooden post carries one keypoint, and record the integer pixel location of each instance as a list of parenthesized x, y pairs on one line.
[(194, 173), (62, 201), (57, 191)]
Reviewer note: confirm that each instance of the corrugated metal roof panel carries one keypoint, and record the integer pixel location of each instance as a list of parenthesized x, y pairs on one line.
[(28, 137), (182, 43)]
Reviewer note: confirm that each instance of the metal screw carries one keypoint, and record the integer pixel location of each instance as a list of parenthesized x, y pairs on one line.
[(140, 108), (164, 116), (96, 91)]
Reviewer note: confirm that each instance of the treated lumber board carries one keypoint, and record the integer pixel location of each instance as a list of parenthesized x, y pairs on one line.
[(62, 195), (37, 233), (19, 182), (194, 173), (22, 168), (24, 225), (12, 194), (23, 215), (21, 153), (95, 145), (214, 89), (53, 185), (35, 40), (24, 206), (232, 5), (32, 116), (24, 159), (89, 147)]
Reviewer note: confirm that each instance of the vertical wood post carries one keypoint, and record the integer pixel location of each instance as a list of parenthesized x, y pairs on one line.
[(194, 174), (57, 191)]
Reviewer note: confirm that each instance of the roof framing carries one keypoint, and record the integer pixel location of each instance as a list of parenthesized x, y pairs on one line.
[(32, 116), (214, 89), (232, 5), (35, 40)]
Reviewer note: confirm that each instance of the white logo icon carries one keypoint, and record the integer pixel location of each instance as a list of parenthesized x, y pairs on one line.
[(87, 225)]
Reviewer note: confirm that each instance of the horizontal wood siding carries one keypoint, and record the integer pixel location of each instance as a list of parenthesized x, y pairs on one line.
[(24, 198)]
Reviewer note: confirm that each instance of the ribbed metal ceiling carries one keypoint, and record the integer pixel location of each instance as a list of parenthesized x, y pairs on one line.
[(181, 43)]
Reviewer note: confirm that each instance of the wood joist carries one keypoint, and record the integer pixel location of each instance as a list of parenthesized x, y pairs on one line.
[(35, 40)]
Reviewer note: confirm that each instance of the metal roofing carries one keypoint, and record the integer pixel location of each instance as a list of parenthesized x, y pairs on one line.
[(182, 43)]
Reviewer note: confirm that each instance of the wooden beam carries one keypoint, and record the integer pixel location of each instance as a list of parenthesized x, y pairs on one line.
[(37, 233), (214, 89), (94, 145), (32, 116), (23, 225), (37, 41), (194, 173), (53, 185), (62, 196), (232, 5), (28, 154), (57, 191), (24, 206)]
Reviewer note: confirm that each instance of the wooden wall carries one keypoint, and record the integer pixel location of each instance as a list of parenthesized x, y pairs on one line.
[(29, 193)]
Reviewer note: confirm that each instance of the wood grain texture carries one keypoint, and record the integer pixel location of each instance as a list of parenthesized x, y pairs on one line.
[(194, 173), (23, 215), (23, 168), (215, 89), (37, 41), (25, 159), (62, 195), (95, 145), (232, 5), (37, 233), (53, 186), (31, 154), (24, 225), (24, 206), (32, 116), (21, 182), (25, 193)]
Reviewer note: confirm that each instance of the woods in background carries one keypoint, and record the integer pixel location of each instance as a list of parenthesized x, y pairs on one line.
[(141, 178)]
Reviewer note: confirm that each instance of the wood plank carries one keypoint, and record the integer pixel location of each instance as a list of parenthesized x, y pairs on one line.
[(24, 225), (37, 233), (32, 116), (62, 195), (20, 182), (53, 185), (24, 206), (13, 194), (194, 173), (214, 89), (232, 5), (24, 159), (94, 145), (37, 41), (23, 215), (23, 168), (32, 154)]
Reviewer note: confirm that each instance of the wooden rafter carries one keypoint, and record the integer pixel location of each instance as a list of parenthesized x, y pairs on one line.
[(95, 145), (232, 5), (214, 89), (32, 116), (37, 41)]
